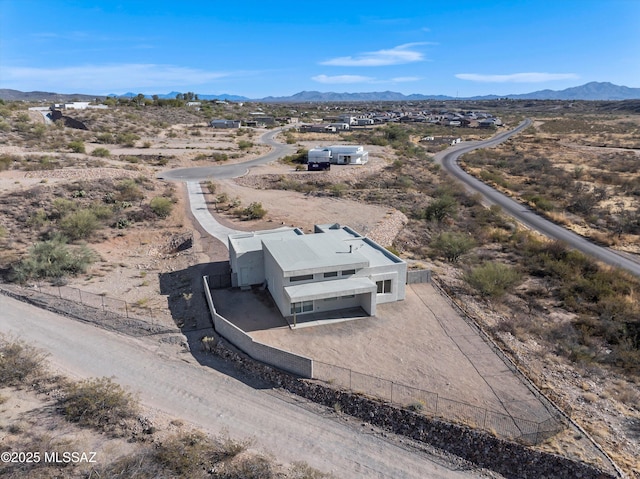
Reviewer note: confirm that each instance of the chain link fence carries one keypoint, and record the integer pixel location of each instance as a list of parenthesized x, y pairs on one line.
[(433, 404), (111, 312)]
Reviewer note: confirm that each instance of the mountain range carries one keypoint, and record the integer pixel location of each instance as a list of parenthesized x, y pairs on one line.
[(602, 91)]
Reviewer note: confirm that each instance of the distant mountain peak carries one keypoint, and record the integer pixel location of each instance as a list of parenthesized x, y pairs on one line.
[(603, 91)]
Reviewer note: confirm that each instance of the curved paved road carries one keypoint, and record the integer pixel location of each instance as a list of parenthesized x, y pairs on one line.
[(222, 172), (209, 397), (448, 159)]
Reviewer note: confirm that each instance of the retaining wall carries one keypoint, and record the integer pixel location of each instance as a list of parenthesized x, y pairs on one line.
[(293, 363), (418, 276)]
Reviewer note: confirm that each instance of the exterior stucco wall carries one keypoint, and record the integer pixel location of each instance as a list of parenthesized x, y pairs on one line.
[(275, 283)]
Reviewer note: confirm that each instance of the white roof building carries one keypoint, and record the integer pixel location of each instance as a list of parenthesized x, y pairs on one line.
[(335, 268), (340, 154)]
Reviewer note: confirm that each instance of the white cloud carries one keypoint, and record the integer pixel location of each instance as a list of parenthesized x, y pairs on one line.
[(405, 79), (393, 56), (106, 78), (342, 79), (533, 77)]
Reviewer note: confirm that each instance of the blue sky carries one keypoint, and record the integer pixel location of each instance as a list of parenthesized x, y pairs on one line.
[(278, 48)]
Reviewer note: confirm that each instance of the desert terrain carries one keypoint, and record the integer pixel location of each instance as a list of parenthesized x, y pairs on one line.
[(50, 173)]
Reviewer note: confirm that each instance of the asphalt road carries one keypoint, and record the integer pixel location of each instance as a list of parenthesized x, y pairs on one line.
[(448, 159), (212, 399), (222, 172)]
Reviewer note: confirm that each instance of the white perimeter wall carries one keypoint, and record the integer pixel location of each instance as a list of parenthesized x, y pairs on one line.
[(279, 358)]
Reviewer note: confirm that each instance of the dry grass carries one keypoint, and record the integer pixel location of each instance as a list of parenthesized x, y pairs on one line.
[(580, 171), (33, 420)]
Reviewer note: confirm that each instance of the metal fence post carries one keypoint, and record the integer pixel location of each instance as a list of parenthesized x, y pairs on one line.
[(102, 298), (80, 294), (392, 391), (126, 309)]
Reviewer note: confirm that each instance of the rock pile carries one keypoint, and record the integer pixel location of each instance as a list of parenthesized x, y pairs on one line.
[(510, 459)]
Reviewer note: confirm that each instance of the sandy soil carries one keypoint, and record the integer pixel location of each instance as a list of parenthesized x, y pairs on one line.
[(132, 265)]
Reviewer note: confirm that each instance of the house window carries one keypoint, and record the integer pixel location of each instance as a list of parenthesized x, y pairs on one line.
[(348, 272), (304, 277), (384, 286), (303, 307), (331, 274)]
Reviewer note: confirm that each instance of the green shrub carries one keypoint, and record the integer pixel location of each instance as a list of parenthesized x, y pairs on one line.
[(37, 219), (128, 190), (104, 138), (127, 139), (101, 211), (62, 207), (79, 224), (254, 467), (101, 152), (19, 362), (53, 259), (452, 245), (300, 157), (302, 470), (441, 208), (338, 189), (188, 452), (161, 206), (5, 162), (98, 403), (211, 187), (77, 146), (244, 144), (493, 279), (254, 211)]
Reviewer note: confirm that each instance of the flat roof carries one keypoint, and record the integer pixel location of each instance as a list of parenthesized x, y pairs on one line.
[(330, 289), (320, 252), (375, 254), (252, 241)]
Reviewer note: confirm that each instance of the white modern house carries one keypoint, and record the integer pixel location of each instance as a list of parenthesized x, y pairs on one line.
[(340, 154), (334, 268)]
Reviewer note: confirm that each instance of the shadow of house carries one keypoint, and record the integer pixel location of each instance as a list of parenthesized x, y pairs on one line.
[(190, 312), (186, 299), (56, 115)]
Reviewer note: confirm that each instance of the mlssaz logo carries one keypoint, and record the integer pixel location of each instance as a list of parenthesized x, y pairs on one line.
[(70, 457)]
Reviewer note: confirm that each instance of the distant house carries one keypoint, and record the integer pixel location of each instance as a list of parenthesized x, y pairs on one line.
[(261, 120), (489, 122), (341, 126), (73, 105), (340, 154), (349, 119), (225, 123), (317, 128), (364, 121), (335, 268)]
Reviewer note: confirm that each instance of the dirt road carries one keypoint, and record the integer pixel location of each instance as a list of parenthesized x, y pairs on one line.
[(209, 397)]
